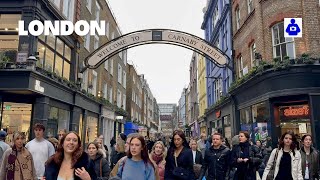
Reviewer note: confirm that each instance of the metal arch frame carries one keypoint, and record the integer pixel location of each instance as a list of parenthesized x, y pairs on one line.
[(156, 42)]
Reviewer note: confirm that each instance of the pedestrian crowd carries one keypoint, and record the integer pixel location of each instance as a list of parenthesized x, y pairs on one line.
[(135, 157)]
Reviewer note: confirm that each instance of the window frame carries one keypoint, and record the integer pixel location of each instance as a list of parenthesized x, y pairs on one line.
[(240, 66), (274, 45), (250, 6), (237, 11), (253, 50)]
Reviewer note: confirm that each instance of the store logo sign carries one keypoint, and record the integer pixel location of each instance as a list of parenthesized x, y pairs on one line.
[(38, 87), (299, 111), (62, 28)]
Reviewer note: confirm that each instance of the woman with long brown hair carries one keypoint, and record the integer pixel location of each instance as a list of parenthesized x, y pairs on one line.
[(70, 162), (179, 161), (17, 161), (137, 165), (285, 160)]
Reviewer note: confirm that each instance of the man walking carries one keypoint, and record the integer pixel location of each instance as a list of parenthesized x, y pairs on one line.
[(216, 160), (40, 148)]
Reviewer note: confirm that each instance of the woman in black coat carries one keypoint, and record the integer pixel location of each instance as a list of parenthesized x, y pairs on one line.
[(101, 165), (70, 161), (179, 161), (246, 158)]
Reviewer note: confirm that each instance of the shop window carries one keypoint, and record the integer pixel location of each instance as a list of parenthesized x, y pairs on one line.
[(245, 121), (227, 127), (282, 46), (16, 117), (67, 53), (49, 59), (261, 122), (51, 39), (41, 50), (60, 46), (91, 129), (295, 118), (58, 119), (80, 132), (9, 40), (58, 65), (66, 70)]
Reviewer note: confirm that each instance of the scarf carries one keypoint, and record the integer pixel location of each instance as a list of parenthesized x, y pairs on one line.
[(157, 158), (19, 165)]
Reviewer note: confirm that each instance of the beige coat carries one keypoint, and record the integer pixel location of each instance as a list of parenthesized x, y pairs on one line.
[(296, 171)]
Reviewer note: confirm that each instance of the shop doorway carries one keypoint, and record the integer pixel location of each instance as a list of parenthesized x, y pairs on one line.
[(15, 117), (295, 118)]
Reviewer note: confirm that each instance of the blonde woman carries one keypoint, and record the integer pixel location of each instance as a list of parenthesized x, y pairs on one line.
[(158, 158), (17, 161), (120, 149), (101, 147)]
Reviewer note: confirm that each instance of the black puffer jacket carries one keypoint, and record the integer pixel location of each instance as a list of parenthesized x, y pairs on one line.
[(246, 171), (101, 164), (217, 163)]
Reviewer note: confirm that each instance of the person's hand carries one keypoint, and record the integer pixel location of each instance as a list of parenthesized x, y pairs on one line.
[(43, 178), (245, 159), (239, 160), (82, 174)]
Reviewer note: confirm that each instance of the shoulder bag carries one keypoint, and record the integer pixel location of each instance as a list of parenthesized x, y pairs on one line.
[(179, 172), (270, 175)]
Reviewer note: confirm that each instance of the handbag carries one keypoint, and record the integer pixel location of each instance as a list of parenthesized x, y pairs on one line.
[(270, 175), (180, 172)]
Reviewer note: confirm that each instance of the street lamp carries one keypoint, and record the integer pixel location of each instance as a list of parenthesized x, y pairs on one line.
[(31, 62)]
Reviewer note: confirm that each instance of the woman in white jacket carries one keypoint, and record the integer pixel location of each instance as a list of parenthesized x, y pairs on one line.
[(288, 160)]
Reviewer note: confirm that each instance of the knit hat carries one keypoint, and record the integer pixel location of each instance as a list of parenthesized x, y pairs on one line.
[(123, 136)]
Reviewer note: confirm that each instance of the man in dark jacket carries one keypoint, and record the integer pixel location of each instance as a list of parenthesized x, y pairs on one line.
[(216, 160)]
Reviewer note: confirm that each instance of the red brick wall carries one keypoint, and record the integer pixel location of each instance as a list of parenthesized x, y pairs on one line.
[(256, 26)]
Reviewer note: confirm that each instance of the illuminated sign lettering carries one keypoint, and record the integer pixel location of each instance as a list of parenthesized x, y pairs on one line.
[(299, 111)]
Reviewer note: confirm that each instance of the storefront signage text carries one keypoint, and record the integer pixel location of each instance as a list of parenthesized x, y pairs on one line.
[(38, 87), (298, 111), (164, 36), (62, 28)]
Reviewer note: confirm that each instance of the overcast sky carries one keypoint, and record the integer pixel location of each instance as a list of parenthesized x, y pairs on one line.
[(166, 67)]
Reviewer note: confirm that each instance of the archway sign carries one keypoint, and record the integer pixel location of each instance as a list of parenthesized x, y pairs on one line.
[(154, 36)]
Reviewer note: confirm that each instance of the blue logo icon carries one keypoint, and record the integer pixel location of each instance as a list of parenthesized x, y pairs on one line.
[(293, 27)]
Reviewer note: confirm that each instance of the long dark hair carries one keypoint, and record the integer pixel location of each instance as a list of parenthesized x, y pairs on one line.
[(293, 145), (144, 152), (59, 155), (182, 136)]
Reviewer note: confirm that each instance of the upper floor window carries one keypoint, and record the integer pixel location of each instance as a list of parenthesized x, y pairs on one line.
[(253, 52), (250, 6), (282, 46), (215, 17), (97, 12), (240, 66), (56, 3), (68, 9), (89, 4), (238, 18)]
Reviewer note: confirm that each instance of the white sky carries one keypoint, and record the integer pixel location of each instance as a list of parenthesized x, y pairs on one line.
[(166, 67)]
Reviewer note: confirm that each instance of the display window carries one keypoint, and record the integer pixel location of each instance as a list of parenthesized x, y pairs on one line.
[(58, 119), (15, 117), (295, 118), (91, 129)]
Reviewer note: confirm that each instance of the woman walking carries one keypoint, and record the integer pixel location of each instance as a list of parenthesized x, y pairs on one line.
[(245, 158), (101, 165), (285, 160), (157, 156), (137, 165), (70, 162), (17, 162), (309, 159), (179, 161)]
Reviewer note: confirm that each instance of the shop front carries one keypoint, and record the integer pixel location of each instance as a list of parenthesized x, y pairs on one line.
[(279, 101), (219, 120)]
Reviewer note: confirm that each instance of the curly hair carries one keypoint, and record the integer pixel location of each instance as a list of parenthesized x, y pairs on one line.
[(58, 156)]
